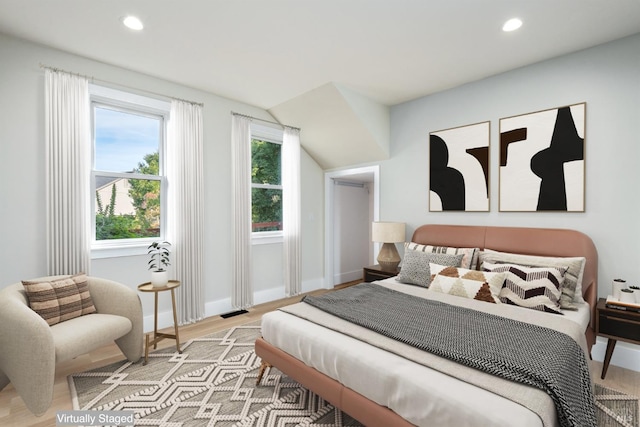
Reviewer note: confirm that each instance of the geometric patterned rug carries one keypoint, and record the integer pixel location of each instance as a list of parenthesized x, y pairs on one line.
[(212, 383), (615, 409)]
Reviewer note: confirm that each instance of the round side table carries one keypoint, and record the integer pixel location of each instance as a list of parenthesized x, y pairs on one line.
[(159, 336)]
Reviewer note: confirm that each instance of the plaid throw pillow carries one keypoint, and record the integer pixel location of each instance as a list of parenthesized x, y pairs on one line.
[(59, 300)]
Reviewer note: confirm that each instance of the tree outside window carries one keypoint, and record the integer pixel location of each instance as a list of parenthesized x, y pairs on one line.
[(266, 191), (127, 173)]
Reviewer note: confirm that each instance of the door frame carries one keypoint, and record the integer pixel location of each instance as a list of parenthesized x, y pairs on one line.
[(329, 202)]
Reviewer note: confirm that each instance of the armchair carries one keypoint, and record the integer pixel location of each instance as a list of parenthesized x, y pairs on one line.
[(30, 348)]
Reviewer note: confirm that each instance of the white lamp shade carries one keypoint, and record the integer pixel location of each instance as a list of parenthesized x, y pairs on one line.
[(388, 232)]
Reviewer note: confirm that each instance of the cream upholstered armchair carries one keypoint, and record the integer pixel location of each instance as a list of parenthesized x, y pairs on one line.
[(30, 348)]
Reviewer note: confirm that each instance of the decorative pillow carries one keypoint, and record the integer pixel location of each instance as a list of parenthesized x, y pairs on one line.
[(469, 258), (415, 266), (572, 286), (538, 288), (60, 300), (462, 282)]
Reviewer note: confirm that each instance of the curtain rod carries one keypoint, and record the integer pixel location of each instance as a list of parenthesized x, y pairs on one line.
[(349, 183), (263, 120), (93, 80)]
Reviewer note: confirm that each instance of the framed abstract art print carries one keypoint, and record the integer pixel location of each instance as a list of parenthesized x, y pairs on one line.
[(459, 169), (542, 161)]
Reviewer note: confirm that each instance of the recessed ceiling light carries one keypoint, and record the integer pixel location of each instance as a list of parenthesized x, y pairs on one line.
[(132, 22), (512, 24)]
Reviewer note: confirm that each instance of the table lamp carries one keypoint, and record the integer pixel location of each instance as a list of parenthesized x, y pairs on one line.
[(388, 233)]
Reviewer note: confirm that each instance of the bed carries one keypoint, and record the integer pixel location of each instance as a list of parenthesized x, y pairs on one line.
[(390, 384)]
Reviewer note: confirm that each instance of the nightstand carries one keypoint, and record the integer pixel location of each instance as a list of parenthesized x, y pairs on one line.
[(617, 325), (375, 272)]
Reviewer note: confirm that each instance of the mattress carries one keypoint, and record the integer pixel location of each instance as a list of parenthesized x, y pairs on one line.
[(421, 395)]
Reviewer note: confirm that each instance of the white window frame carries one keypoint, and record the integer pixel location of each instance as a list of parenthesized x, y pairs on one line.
[(118, 100), (272, 134)]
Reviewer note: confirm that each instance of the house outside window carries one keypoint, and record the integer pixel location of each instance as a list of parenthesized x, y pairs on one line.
[(127, 179), (266, 184)]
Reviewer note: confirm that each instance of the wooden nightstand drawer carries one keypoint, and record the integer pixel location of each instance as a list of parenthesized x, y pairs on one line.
[(371, 276), (374, 272), (616, 325), (619, 325)]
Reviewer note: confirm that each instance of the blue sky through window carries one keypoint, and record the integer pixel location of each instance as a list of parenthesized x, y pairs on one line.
[(123, 139)]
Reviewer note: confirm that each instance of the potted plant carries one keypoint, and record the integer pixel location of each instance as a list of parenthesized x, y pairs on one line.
[(159, 254)]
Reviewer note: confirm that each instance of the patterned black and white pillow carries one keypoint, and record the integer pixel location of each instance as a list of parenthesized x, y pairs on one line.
[(537, 288), (472, 284), (415, 266), (469, 255), (572, 286)]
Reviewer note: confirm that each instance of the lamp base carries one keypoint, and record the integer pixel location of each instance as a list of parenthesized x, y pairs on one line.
[(388, 258)]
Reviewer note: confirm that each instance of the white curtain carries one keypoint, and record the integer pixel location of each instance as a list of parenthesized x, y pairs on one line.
[(242, 296), (186, 210), (291, 210), (67, 169)]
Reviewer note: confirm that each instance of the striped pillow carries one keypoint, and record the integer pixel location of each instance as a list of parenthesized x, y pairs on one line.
[(572, 286), (59, 300), (469, 255), (537, 288)]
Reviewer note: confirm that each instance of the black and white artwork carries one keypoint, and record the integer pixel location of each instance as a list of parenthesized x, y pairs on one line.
[(542, 161), (459, 169)]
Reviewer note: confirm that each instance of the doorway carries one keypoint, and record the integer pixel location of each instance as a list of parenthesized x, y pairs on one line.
[(351, 204)]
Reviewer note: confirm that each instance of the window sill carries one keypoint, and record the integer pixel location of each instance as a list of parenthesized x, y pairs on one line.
[(115, 251), (267, 238)]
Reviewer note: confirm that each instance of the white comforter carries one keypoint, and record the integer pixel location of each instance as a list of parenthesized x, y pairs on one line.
[(419, 394)]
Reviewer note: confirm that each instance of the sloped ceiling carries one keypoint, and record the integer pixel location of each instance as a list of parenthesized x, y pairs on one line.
[(339, 127)]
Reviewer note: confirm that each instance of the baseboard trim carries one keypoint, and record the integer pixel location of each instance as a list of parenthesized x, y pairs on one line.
[(215, 308), (348, 276), (625, 355), (313, 285)]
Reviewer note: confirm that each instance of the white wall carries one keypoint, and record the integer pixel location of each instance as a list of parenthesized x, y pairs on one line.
[(22, 178), (607, 78)]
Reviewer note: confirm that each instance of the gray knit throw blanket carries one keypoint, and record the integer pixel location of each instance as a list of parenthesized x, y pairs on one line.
[(540, 357)]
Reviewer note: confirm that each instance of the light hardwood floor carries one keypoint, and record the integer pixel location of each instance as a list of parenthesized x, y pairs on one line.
[(13, 412)]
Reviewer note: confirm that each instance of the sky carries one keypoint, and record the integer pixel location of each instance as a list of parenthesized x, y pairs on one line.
[(123, 139)]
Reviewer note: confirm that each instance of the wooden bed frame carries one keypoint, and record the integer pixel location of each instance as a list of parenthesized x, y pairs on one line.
[(531, 241)]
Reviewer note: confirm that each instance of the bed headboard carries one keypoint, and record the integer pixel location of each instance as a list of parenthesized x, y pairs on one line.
[(530, 241)]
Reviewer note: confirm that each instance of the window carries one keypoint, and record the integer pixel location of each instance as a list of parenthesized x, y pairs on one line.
[(127, 180), (266, 184)]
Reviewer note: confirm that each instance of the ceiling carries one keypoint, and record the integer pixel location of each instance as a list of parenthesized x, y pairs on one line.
[(269, 53)]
